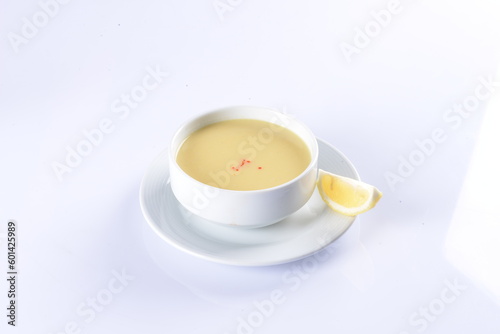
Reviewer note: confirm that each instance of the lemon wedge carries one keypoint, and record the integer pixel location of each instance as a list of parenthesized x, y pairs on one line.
[(345, 195)]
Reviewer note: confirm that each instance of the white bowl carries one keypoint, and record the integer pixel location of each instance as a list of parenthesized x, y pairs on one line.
[(243, 208)]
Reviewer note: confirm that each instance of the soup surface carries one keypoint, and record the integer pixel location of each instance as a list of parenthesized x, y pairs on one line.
[(243, 154)]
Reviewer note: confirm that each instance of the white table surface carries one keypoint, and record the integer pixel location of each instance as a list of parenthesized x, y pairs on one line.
[(426, 259)]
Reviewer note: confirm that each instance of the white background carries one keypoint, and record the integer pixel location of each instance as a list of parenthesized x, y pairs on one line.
[(436, 227)]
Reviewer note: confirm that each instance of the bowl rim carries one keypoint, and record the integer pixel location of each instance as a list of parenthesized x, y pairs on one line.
[(314, 150)]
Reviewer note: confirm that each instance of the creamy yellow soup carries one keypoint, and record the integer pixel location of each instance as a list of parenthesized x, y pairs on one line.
[(243, 154)]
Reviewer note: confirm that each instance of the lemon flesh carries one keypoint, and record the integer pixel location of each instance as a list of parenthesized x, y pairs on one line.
[(345, 195)]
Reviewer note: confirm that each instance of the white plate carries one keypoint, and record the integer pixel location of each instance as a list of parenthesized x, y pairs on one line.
[(305, 232)]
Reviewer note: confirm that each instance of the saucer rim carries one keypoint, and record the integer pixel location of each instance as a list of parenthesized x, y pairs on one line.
[(247, 263)]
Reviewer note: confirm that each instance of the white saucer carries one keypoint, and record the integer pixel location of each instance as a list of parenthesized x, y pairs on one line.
[(305, 232)]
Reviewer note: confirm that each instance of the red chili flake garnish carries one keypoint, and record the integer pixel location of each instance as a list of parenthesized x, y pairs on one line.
[(260, 167), (242, 163)]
